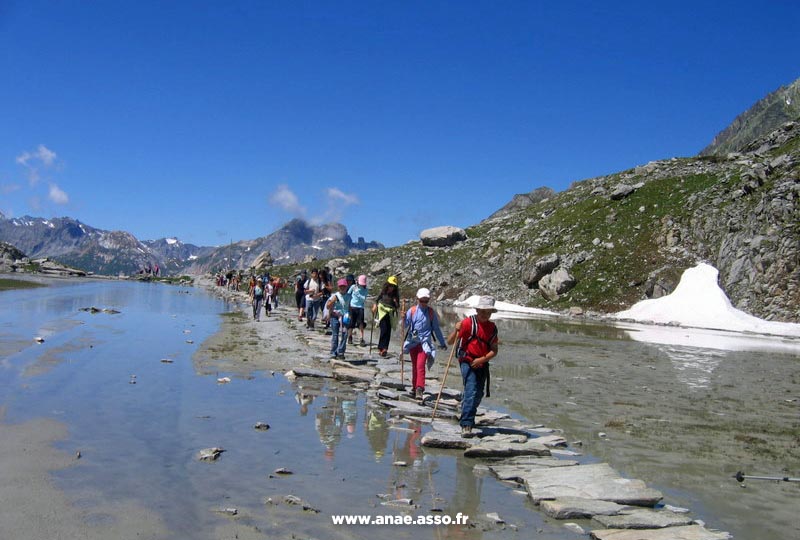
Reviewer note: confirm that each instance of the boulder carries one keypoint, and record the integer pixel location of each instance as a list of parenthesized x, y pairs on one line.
[(442, 236), (381, 267), (621, 191), (557, 283), (541, 268)]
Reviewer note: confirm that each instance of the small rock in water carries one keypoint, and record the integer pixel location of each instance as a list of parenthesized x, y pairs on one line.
[(574, 527), (602, 435), (224, 380), (189, 341), (282, 470), (400, 464), (676, 509), (166, 360), (295, 500), (401, 503), (261, 426), (210, 454), (39, 339), (78, 454), (228, 511), (495, 517)]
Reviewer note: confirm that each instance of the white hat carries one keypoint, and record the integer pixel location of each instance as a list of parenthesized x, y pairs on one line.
[(487, 303), (423, 293)]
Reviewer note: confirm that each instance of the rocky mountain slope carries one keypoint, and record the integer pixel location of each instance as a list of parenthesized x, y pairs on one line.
[(296, 241), (608, 242), (779, 107), (98, 251)]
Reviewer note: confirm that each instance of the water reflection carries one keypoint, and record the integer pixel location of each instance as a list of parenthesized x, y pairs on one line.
[(694, 367)]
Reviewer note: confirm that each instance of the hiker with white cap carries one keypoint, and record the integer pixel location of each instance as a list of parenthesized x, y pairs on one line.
[(258, 298), (421, 323), (477, 345)]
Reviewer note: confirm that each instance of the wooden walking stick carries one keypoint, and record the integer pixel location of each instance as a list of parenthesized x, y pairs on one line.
[(444, 379), (402, 341)]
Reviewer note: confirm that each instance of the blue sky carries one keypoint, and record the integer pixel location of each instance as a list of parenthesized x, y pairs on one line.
[(219, 121)]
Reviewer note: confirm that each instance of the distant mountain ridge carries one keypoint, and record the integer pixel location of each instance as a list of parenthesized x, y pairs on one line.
[(76, 244), (777, 108)]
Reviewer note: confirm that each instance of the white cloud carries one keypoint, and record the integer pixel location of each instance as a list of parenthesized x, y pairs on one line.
[(32, 161), (285, 199), (57, 195), (341, 197)]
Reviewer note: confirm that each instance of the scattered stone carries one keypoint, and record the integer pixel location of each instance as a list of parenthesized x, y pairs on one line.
[(227, 511), (189, 341), (282, 470), (400, 464), (399, 503), (166, 360), (39, 339), (621, 191), (297, 501), (210, 454), (574, 527), (440, 439), (223, 380), (495, 517), (676, 509), (261, 426), (552, 440), (353, 375)]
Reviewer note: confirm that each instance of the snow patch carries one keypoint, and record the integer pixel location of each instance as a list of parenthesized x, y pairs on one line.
[(171, 241), (192, 257), (698, 302), (505, 310)]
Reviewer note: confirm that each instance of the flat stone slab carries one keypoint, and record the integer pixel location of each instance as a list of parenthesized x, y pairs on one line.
[(689, 532), (488, 449), (578, 508), (443, 439), (598, 481), (391, 382), (640, 518), (308, 372), (552, 440), (353, 374), (406, 408), (514, 472)]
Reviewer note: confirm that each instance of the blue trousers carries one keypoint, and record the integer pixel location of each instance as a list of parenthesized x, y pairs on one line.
[(338, 337), (474, 384)]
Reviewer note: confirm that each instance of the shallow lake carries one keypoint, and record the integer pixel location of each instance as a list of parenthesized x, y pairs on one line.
[(682, 418)]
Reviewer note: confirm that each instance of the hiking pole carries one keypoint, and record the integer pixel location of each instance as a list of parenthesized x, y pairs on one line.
[(372, 331), (402, 343), (741, 477), (444, 379)]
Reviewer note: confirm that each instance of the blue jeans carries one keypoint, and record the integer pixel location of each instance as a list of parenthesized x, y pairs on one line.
[(474, 384), (338, 337)]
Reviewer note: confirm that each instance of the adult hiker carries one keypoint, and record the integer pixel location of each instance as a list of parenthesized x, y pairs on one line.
[(421, 323), (358, 299), (386, 306), (338, 306), (477, 345), (258, 298), (300, 294), (313, 290)]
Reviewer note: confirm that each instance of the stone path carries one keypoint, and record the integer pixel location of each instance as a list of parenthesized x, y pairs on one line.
[(514, 451)]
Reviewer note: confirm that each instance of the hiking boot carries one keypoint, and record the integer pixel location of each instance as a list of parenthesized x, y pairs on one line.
[(363, 343), (466, 432), (350, 340), (382, 352), (419, 394)]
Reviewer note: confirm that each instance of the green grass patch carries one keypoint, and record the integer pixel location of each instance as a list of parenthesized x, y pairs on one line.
[(13, 284)]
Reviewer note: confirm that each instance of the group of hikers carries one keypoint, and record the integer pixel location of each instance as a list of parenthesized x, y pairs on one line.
[(342, 310), (263, 292)]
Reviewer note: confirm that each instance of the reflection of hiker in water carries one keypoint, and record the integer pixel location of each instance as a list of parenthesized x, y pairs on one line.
[(304, 400), (350, 413), (377, 432), (466, 498), (329, 425)]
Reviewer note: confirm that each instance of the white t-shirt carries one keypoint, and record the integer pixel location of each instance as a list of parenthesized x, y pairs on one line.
[(313, 286)]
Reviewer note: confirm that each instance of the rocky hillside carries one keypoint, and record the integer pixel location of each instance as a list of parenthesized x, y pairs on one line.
[(608, 242), (779, 107)]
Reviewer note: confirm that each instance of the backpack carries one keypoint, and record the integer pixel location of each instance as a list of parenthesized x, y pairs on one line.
[(410, 329), (258, 292), (461, 352)]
